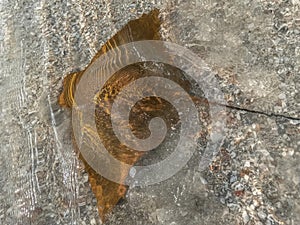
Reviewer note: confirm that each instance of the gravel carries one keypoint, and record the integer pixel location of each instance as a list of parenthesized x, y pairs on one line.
[(253, 48)]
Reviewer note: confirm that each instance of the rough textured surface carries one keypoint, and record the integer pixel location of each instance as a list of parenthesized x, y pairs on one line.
[(253, 46)]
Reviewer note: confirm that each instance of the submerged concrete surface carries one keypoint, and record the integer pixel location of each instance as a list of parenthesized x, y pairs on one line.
[(252, 46)]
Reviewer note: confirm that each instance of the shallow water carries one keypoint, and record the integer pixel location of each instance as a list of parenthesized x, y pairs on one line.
[(252, 47)]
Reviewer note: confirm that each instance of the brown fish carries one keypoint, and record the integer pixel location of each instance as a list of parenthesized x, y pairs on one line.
[(147, 27), (107, 192)]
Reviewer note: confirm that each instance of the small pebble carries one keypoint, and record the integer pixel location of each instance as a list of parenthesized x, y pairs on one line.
[(203, 180), (282, 96), (245, 217), (93, 221), (233, 178), (247, 164), (262, 215)]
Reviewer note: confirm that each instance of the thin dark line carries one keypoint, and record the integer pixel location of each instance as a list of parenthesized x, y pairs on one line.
[(261, 112)]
